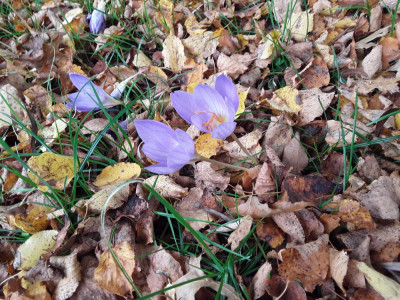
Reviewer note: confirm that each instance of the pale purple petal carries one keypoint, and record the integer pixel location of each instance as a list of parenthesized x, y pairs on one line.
[(155, 152), (184, 104), (223, 130), (200, 119), (208, 99), (186, 143), (97, 22), (151, 131), (79, 80), (178, 157), (161, 169), (80, 102), (228, 91)]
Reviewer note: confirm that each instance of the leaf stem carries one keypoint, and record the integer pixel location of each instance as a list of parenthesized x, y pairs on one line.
[(252, 158), (216, 162)]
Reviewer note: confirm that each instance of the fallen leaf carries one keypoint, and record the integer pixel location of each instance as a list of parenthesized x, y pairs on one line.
[(386, 287), (372, 63), (57, 170), (390, 51), (254, 208), (207, 146), (35, 221), (67, 286), (278, 135), (265, 186), (10, 105), (299, 25), (351, 211), (242, 99), (117, 173), (30, 251), (286, 99), (108, 275), (97, 201), (315, 75), (308, 263), (241, 232), (337, 132), (234, 65), (201, 46), (206, 177), (314, 103), (290, 224), (173, 53), (338, 266), (249, 141), (165, 186), (258, 283), (188, 290), (269, 232), (294, 155)]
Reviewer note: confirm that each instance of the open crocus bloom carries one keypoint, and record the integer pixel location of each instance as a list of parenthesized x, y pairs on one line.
[(171, 148), (98, 19), (89, 95), (209, 109)]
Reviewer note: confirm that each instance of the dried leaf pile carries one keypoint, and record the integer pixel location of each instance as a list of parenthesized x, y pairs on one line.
[(317, 218)]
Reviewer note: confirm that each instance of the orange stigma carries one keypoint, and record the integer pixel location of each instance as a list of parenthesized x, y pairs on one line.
[(210, 124)]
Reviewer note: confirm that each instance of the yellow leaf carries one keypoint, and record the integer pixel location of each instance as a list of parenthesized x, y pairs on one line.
[(299, 25), (34, 290), (96, 202), (193, 27), (386, 287), (38, 244), (397, 120), (285, 99), (242, 98), (346, 23), (109, 276), (268, 48), (117, 173), (57, 170), (191, 86), (35, 221), (207, 146)]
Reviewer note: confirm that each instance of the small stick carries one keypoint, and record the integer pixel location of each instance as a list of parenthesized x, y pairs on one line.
[(199, 157), (253, 159)]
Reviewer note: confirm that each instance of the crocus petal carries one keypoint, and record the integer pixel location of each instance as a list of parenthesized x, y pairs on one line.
[(161, 169), (155, 152), (177, 158), (154, 132), (228, 91), (200, 119), (186, 143), (208, 99), (97, 22), (184, 104), (80, 102), (223, 130), (79, 80)]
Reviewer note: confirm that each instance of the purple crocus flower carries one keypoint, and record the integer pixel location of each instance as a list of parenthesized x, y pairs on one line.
[(171, 148), (209, 109), (89, 95), (98, 18)]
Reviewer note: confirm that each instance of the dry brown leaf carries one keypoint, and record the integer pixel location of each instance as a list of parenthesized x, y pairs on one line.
[(161, 263), (294, 155), (174, 54), (338, 266), (206, 177), (67, 286), (241, 232), (37, 96), (352, 212), (265, 186), (94, 125), (381, 200), (372, 63), (249, 141), (316, 75), (189, 290), (375, 19), (308, 263), (254, 208), (165, 186), (108, 275), (234, 65), (337, 132), (290, 224), (390, 51), (34, 221), (330, 222), (269, 232), (189, 208), (315, 102), (385, 85), (278, 135), (201, 46), (259, 280)]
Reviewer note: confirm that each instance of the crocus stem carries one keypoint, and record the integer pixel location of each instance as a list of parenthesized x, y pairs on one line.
[(252, 158), (216, 162)]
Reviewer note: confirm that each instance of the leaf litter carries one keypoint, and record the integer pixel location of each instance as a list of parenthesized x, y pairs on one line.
[(98, 200)]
